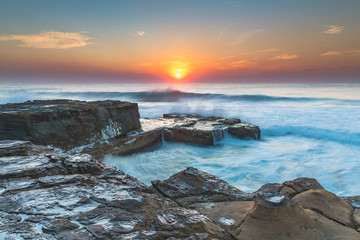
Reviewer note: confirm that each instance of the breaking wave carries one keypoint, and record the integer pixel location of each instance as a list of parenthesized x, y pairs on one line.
[(176, 95)]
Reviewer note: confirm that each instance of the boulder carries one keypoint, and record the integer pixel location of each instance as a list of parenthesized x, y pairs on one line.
[(67, 123), (193, 186), (245, 130)]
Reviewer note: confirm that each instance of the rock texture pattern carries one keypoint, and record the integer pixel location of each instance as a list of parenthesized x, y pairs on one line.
[(45, 194), (66, 123)]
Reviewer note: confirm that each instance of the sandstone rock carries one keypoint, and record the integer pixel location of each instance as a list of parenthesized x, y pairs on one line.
[(67, 123), (193, 186), (282, 218), (291, 188), (327, 204), (300, 185)]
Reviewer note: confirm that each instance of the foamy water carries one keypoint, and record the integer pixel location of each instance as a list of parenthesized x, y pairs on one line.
[(307, 130)]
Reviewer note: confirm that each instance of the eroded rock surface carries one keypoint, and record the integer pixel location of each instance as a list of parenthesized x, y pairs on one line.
[(297, 209), (67, 123), (45, 194), (51, 195)]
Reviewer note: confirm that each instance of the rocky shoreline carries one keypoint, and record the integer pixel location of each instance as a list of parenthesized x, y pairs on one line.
[(47, 194)]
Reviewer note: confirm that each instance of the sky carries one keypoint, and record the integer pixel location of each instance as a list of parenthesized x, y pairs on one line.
[(184, 41)]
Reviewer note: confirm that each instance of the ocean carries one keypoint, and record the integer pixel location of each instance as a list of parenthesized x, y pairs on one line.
[(308, 130)]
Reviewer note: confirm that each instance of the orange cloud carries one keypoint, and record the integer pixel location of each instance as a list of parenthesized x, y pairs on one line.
[(50, 39), (333, 29), (241, 64), (331, 53), (286, 56)]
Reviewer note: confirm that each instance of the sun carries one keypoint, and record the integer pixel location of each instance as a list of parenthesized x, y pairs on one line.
[(178, 73)]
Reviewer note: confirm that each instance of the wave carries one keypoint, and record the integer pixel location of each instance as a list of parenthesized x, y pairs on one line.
[(313, 133), (176, 95)]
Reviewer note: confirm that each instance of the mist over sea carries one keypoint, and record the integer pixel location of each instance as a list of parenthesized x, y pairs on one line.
[(307, 130)]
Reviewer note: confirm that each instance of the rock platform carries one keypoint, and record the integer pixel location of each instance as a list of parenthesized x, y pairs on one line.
[(45, 194), (110, 127)]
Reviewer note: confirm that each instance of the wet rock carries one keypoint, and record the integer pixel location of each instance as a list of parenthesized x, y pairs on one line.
[(193, 186), (123, 146), (61, 196), (193, 128), (67, 123), (45, 194), (229, 215), (59, 225), (245, 130)]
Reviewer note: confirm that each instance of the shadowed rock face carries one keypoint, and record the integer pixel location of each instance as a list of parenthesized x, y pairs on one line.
[(67, 123)]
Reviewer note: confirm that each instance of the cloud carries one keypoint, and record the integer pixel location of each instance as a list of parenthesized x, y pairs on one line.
[(240, 64), (333, 29), (285, 57), (50, 39), (331, 53), (335, 53), (140, 33)]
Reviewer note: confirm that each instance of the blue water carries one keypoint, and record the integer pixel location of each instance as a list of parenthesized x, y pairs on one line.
[(307, 130)]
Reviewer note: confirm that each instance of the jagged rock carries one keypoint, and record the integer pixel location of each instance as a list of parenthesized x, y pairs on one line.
[(52, 195), (291, 188), (193, 186), (67, 123)]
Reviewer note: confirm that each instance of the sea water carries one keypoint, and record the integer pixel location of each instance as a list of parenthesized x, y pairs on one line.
[(308, 130)]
